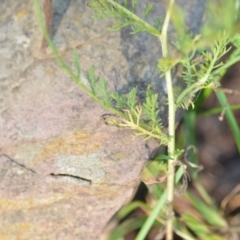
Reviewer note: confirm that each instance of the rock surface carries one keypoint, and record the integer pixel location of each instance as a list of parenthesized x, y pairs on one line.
[(63, 172)]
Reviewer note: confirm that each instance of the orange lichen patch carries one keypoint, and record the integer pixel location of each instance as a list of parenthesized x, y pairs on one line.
[(23, 227), (4, 236), (18, 229), (20, 14), (119, 156), (16, 204), (78, 143), (50, 71)]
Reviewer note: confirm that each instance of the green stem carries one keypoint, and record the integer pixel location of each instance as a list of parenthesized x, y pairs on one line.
[(169, 193), (171, 126)]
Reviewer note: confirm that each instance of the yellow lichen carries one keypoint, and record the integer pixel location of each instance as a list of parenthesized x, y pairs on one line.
[(78, 143), (20, 14)]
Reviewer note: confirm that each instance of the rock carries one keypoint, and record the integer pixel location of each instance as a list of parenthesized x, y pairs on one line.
[(63, 172)]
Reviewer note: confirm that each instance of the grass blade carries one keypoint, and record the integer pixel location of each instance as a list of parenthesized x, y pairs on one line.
[(230, 117)]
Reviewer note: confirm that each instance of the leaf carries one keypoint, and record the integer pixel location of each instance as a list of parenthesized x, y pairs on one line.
[(76, 63), (128, 226), (124, 16), (148, 9), (154, 172), (165, 64), (127, 209), (120, 100), (91, 77), (181, 172), (200, 229), (132, 99), (151, 109), (162, 157), (181, 230), (210, 215), (101, 91)]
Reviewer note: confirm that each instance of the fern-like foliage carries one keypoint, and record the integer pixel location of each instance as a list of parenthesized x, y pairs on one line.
[(125, 102), (124, 13), (128, 112), (99, 87), (131, 100), (151, 110), (76, 63), (144, 119), (198, 71)]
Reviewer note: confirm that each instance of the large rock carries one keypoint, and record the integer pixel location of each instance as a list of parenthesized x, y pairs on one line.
[(63, 172)]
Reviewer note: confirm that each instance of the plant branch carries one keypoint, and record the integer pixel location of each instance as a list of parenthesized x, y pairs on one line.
[(135, 17), (200, 83), (126, 17)]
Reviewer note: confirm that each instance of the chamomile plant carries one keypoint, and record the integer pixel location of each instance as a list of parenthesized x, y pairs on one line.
[(199, 58)]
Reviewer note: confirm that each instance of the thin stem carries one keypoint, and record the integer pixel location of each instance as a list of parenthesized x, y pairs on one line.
[(167, 194), (171, 126), (171, 161), (144, 131)]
